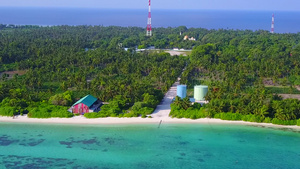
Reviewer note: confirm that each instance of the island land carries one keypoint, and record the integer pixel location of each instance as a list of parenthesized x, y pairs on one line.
[(251, 75)]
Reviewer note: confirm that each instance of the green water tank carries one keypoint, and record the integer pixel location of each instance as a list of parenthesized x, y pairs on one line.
[(200, 92)]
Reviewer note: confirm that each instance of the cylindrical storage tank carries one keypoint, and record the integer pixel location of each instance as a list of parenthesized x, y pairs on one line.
[(200, 92), (181, 91)]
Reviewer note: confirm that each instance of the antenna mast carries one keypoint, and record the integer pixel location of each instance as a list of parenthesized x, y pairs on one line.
[(149, 26), (273, 21)]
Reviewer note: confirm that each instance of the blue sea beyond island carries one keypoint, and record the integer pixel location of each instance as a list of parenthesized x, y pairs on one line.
[(285, 22)]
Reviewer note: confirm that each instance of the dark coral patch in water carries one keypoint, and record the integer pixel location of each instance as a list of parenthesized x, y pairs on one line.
[(182, 154), (90, 141), (32, 142), (65, 143), (26, 162), (93, 143), (109, 140), (183, 143), (71, 142), (208, 155), (6, 140), (200, 160)]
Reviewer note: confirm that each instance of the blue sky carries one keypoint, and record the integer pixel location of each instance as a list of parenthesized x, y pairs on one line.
[(273, 5)]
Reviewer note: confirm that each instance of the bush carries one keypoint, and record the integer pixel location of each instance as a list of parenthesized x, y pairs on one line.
[(140, 109), (141, 112), (108, 110), (16, 103), (228, 116), (63, 99), (150, 100), (268, 120), (253, 118), (194, 112), (8, 111), (44, 110), (138, 105), (91, 115), (284, 122), (193, 116), (298, 122)]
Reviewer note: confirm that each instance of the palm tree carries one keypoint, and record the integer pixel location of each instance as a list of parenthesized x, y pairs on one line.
[(186, 103), (178, 101)]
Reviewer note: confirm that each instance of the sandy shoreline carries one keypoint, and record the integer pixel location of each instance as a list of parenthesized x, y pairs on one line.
[(136, 120), (161, 114)]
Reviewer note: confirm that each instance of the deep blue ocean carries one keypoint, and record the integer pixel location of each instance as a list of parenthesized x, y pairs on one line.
[(285, 22)]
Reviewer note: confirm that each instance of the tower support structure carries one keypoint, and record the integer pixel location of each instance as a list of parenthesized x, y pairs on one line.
[(149, 24), (273, 22)]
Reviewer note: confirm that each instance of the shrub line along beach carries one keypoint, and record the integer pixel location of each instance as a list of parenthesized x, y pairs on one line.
[(159, 116)]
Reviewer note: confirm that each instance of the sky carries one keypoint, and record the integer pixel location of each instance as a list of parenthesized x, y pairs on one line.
[(272, 5)]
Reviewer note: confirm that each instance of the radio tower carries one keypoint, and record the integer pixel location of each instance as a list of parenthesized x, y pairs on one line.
[(149, 26), (272, 26)]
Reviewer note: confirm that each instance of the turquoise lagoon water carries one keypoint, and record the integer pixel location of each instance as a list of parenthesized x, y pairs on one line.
[(147, 146)]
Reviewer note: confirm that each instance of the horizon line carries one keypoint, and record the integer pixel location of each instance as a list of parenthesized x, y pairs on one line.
[(177, 9)]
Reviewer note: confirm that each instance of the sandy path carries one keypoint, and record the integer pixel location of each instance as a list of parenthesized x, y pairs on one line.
[(173, 53), (163, 110)]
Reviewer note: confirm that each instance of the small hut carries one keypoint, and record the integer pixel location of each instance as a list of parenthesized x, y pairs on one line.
[(86, 104)]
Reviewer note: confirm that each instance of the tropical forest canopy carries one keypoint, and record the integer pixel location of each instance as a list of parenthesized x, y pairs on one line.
[(57, 65)]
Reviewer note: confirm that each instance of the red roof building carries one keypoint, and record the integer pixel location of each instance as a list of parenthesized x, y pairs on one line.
[(86, 104)]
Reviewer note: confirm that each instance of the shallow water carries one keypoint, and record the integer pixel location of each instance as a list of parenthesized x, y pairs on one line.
[(146, 146)]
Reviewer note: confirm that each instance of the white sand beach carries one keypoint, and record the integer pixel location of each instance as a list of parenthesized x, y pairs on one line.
[(136, 120)]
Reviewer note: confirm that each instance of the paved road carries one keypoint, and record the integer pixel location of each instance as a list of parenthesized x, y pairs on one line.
[(163, 110)]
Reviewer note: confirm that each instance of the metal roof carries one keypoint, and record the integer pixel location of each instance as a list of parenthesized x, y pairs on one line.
[(88, 100)]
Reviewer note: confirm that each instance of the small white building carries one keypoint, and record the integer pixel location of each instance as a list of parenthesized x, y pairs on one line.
[(192, 39), (187, 38)]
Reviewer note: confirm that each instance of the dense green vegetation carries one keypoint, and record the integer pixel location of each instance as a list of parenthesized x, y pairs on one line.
[(183, 108), (239, 66), (195, 111), (55, 66), (44, 110), (65, 63), (119, 107)]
